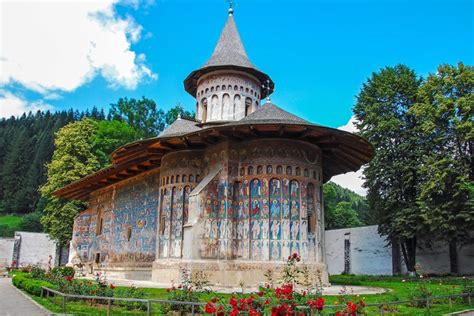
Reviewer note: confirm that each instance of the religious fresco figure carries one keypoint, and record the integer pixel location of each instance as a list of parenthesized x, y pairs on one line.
[(240, 212), (255, 229), (256, 249), (295, 247), (275, 209), (265, 228), (255, 188), (286, 209), (240, 230), (295, 228), (213, 233), (275, 250), (246, 230), (222, 209), (304, 230), (245, 249), (246, 209), (275, 229), (304, 250), (255, 212), (265, 250), (294, 210), (285, 227), (265, 209), (207, 228), (275, 189), (286, 184)]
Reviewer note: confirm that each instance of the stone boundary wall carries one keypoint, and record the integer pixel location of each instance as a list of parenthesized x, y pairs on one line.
[(29, 249), (362, 251)]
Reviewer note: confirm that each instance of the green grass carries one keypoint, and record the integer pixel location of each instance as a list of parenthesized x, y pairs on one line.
[(10, 220), (398, 290)]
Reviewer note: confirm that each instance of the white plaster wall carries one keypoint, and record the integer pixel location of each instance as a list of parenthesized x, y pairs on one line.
[(368, 252), (35, 249), (6, 251)]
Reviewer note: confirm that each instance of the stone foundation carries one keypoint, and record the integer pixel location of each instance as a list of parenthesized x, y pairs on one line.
[(229, 273), (129, 273)]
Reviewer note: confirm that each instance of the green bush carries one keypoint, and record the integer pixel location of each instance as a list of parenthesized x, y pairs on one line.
[(30, 286)]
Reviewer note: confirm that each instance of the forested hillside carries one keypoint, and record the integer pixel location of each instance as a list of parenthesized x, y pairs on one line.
[(344, 208)]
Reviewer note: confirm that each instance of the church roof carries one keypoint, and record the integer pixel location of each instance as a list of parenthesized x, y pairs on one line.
[(269, 113), (229, 49), (179, 127), (229, 54)]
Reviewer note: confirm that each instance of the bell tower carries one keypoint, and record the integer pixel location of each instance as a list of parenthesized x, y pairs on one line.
[(228, 87)]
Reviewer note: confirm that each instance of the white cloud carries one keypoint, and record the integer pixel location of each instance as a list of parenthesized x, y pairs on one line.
[(351, 180), (58, 46), (12, 105)]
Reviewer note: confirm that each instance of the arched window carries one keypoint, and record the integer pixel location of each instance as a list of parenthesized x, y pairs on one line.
[(167, 180), (229, 87), (223, 87), (306, 173), (237, 105), (269, 169), (197, 178), (177, 178), (218, 88), (298, 171), (248, 106), (212, 89), (279, 169), (207, 90), (250, 170), (184, 178), (241, 89), (172, 179), (259, 169), (191, 178), (214, 107), (225, 106), (289, 170), (247, 90), (251, 91), (242, 171), (236, 88)]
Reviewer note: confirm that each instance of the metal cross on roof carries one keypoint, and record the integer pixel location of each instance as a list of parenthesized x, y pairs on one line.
[(268, 88), (231, 9)]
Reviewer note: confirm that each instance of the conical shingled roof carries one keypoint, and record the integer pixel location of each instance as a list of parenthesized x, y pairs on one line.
[(229, 49), (229, 54), (179, 127)]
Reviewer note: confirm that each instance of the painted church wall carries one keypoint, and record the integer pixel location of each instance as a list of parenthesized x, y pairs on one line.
[(119, 228)]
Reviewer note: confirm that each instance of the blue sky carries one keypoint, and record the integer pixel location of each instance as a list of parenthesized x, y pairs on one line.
[(58, 55)]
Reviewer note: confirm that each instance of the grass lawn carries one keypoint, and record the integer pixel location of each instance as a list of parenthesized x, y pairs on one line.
[(399, 289), (10, 220)]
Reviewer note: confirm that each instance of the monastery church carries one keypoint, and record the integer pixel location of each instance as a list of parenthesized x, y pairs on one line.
[(231, 193)]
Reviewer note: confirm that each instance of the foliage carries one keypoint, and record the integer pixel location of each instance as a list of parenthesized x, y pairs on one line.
[(9, 224), (108, 136), (29, 285), (344, 208), (392, 177), (142, 115), (445, 119), (176, 111), (73, 159)]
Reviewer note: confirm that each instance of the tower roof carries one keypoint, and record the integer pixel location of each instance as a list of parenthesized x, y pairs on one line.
[(229, 54)]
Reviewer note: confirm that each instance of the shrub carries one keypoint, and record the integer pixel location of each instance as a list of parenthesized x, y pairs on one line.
[(29, 285)]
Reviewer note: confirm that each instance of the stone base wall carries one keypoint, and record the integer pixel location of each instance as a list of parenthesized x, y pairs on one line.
[(129, 273), (230, 273)]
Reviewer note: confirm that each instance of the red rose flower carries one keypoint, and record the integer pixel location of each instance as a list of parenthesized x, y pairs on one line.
[(168, 290), (209, 308), (295, 255), (112, 286), (214, 299), (260, 294)]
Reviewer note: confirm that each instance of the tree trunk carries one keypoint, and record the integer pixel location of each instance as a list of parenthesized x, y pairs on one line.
[(409, 254), (453, 257), (396, 260)]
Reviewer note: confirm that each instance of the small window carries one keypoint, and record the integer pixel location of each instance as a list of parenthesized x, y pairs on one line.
[(172, 179), (289, 170), (229, 87), (242, 171), (207, 90), (298, 171), (259, 170), (218, 88), (241, 89), (198, 178), (129, 233), (191, 178), (97, 257), (212, 89), (250, 170), (306, 173), (269, 169), (223, 87), (177, 178), (183, 178), (279, 169), (236, 88), (167, 180)]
